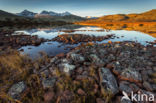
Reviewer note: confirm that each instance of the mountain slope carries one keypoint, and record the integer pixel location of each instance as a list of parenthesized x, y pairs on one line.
[(26, 13), (44, 13), (4, 14), (148, 16)]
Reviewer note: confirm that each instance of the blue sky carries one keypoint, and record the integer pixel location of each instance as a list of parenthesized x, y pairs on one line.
[(80, 7)]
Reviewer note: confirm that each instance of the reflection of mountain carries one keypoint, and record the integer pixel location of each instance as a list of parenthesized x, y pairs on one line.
[(56, 29)]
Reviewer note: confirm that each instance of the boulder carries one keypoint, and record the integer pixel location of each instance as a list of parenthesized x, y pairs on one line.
[(107, 81), (17, 89), (130, 74), (77, 57)]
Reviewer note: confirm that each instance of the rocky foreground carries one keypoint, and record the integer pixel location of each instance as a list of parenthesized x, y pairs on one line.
[(92, 73)]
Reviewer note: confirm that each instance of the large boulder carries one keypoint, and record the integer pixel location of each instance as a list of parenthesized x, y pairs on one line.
[(107, 81)]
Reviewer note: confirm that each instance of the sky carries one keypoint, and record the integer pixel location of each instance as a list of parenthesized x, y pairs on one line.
[(80, 7)]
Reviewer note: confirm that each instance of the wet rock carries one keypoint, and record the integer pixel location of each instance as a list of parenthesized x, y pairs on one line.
[(108, 81), (48, 82), (17, 89)]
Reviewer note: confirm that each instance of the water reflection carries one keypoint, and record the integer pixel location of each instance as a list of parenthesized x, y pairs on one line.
[(52, 48)]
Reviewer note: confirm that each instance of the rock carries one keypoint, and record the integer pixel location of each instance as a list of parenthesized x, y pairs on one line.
[(124, 86), (131, 74), (77, 57), (99, 100), (147, 86), (81, 92), (128, 87), (67, 67), (53, 59), (95, 59), (108, 81), (48, 82), (125, 101), (17, 89)]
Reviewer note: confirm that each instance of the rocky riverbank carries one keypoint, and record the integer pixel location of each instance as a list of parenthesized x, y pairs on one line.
[(91, 73), (7, 39)]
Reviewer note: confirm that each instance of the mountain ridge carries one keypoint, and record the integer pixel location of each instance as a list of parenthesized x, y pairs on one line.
[(147, 16), (27, 13)]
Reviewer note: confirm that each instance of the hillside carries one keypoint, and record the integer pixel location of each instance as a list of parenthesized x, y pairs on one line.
[(4, 14), (149, 16), (52, 16), (144, 22)]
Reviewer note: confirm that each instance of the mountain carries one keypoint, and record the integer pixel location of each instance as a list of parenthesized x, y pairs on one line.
[(26, 13), (51, 13), (44, 13), (6, 14), (65, 14), (148, 16)]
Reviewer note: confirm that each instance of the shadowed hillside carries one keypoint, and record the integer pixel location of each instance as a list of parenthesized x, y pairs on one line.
[(9, 19)]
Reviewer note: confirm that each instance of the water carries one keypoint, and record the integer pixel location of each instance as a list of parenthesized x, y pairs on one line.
[(52, 48)]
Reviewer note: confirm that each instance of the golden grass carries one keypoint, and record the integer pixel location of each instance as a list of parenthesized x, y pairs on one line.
[(14, 68)]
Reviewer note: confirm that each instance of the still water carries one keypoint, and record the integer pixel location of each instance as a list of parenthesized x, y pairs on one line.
[(53, 48)]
